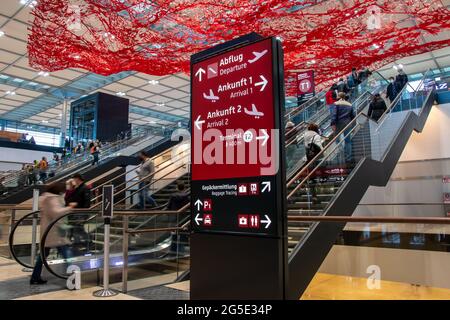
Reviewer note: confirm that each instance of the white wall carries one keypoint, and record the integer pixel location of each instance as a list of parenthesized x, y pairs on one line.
[(417, 177), (11, 158), (434, 141)]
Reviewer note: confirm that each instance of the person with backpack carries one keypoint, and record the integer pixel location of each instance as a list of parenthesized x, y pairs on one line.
[(313, 146), (313, 141), (343, 114), (43, 166), (377, 107)]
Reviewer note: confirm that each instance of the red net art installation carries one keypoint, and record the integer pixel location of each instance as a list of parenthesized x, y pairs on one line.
[(157, 37)]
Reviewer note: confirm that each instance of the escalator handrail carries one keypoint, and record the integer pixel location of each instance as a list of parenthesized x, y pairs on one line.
[(326, 149), (125, 173), (96, 214), (11, 238)]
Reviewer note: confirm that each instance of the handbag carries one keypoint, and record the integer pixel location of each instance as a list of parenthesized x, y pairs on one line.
[(312, 149)]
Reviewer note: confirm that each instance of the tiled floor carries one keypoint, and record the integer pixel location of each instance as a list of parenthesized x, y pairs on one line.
[(14, 284)]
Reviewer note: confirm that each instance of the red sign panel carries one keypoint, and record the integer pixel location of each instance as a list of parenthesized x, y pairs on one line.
[(305, 85), (233, 114)]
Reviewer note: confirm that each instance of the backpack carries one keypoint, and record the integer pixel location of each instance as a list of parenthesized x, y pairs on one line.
[(312, 149)]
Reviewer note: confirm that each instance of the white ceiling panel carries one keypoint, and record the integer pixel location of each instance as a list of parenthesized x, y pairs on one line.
[(175, 94), (155, 88), (174, 82), (10, 7), (67, 74), (20, 98), (16, 29), (118, 87), (176, 104), (178, 112), (20, 73), (28, 93), (10, 102), (4, 88), (161, 108), (139, 93), (7, 57), (13, 45), (52, 81), (134, 81)]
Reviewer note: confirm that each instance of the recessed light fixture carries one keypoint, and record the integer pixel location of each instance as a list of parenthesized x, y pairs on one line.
[(44, 121), (376, 46), (10, 93), (161, 104), (2, 33), (43, 73), (121, 94), (108, 35), (153, 82)]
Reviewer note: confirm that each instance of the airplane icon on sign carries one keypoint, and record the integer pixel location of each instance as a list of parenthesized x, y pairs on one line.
[(258, 55), (254, 112), (211, 96)]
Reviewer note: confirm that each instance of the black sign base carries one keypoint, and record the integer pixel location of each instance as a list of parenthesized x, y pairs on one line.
[(226, 267)]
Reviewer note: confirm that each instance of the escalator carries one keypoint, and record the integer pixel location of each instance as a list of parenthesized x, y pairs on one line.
[(87, 237), (113, 156)]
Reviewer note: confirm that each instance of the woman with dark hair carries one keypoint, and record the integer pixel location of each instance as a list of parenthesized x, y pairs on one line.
[(52, 208)]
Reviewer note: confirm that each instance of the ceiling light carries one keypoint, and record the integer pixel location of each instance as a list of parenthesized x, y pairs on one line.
[(153, 82), (11, 93), (43, 74), (152, 122), (121, 94), (395, 67), (44, 121), (2, 33), (376, 46), (279, 38), (161, 104)]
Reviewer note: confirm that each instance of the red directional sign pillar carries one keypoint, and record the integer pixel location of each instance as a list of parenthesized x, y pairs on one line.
[(237, 179)]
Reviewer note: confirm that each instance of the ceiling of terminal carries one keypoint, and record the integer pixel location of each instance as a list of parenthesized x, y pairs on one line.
[(35, 97)]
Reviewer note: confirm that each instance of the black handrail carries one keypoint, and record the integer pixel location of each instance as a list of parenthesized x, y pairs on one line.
[(11, 240)]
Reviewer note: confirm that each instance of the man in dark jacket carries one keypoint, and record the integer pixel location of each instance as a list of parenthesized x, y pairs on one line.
[(342, 115), (401, 80), (377, 107), (342, 86), (81, 195), (391, 91), (179, 199)]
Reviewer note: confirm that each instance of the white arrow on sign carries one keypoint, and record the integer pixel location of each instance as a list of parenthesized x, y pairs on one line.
[(263, 83), (264, 137), (198, 123), (266, 185), (197, 219), (199, 74), (267, 221), (198, 203)]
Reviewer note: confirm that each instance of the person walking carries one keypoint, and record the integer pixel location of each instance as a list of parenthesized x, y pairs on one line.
[(51, 208), (81, 194), (342, 86), (145, 173), (377, 107), (342, 115), (43, 166), (313, 146), (391, 90), (331, 97), (401, 80), (95, 152)]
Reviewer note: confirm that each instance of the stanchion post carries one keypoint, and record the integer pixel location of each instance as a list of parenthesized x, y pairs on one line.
[(125, 255), (34, 209), (107, 213)]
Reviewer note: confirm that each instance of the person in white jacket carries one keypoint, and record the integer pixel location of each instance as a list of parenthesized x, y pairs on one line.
[(51, 208)]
